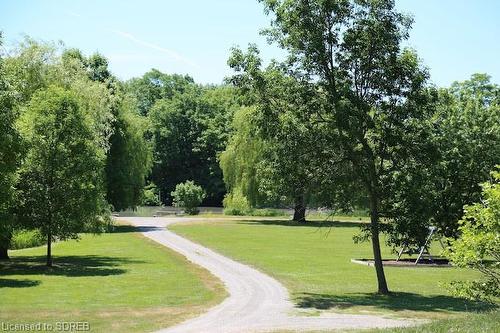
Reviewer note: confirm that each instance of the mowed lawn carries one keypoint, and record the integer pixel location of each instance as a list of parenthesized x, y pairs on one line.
[(313, 262), (119, 281)]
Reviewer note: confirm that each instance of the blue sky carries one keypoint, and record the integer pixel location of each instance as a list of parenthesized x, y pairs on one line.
[(455, 38)]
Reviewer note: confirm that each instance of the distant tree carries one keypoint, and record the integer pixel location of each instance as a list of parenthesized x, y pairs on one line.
[(189, 196), (188, 132), (155, 85), (463, 145), (129, 158), (288, 170), (468, 140), (240, 162), (478, 245), (97, 67), (374, 88), (128, 161), (10, 149), (61, 179)]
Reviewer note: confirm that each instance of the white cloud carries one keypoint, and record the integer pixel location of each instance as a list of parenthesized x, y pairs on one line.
[(164, 50), (127, 35)]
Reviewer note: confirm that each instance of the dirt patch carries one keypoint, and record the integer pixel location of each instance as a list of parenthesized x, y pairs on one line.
[(407, 262)]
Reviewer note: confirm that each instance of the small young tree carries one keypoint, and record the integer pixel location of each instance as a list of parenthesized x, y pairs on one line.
[(61, 179), (189, 196), (478, 246)]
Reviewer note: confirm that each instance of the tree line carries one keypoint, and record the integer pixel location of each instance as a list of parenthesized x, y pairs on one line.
[(349, 119)]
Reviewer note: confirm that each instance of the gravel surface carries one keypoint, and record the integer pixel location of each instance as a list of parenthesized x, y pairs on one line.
[(256, 301)]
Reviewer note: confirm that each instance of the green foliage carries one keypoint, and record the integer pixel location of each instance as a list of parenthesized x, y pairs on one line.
[(469, 146), (129, 157), (462, 146), (22, 239), (369, 89), (478, 246), (150, 195), (155, 85), (239, 162), (235, 203), (61, 180), (10, 149), (188, 132), (189, 196)]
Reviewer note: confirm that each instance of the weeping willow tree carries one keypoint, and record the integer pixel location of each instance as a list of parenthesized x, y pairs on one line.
[(239, 164)]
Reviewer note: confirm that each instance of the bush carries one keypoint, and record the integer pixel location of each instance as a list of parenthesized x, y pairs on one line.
[(189, 196), (235, 203), (269, 212), (22, 239), (150, 196)]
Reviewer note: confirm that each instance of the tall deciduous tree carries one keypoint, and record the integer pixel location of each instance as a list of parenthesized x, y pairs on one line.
[(61, 179), (283, 103), (463, 145), (9, 159), (129, 158), (352, 49), (240, 161)]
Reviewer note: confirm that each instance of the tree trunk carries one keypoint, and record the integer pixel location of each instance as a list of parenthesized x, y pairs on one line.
[(4, 254), (299, 214), (377, 256), (49, 249)]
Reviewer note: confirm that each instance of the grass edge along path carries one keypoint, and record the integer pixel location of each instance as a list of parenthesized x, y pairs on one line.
[(119, 281)]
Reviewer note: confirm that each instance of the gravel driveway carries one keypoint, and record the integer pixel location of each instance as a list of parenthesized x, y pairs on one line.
[(256, 301)]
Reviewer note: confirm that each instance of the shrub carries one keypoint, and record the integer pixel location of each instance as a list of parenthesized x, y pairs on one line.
[(150, 195), (478, 246), (189, 196), (235, 203), (269, 212), (22, 239)]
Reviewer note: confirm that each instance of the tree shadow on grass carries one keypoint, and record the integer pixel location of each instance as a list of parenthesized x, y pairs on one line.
[(8, 283), (123, 228), (397, 301), (314, 224), (71, 266)]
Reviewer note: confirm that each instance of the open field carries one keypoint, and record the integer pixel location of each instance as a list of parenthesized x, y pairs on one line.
[(120, 281), (313, 262)]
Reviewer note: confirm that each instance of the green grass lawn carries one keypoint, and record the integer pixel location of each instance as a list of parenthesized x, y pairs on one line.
[(313, 262), (119, 281)]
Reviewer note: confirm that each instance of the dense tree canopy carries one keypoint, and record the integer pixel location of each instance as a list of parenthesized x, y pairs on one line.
[(9, 159), (61, 179), (129, 157), (110, 116), (463, 137), (155, 85), (128, 160), (189, 131)]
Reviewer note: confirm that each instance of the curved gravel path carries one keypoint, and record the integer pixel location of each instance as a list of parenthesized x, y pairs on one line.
[(256, 302)]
